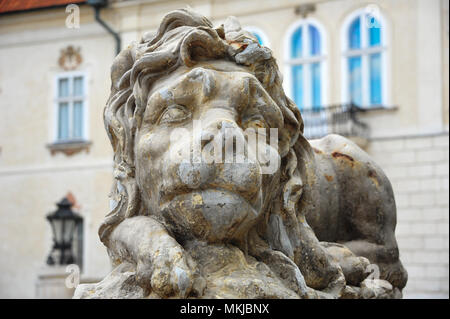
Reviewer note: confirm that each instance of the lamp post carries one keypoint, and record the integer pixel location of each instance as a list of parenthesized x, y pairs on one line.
[(63, 222)]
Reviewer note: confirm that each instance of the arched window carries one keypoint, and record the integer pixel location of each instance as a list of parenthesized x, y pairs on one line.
[(259, 34), (364, 60), (305, 64)]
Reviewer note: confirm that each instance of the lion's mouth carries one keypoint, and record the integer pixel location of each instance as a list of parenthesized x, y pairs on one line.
[(211, 214), (253, 197)]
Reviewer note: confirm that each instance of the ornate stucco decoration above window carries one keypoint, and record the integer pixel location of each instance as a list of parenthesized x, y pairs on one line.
[(305, 9), (70, 58)]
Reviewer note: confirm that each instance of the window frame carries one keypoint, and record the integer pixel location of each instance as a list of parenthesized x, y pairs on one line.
[(70, 99), (364, 52), (289, 62)]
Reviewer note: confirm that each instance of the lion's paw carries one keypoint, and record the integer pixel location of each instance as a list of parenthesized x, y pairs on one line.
[(170, 273)]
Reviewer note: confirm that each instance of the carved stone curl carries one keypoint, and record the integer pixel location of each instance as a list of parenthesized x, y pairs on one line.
[(314, 227)]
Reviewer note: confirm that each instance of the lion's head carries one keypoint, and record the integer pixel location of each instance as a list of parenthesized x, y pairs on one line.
[(188, 71)]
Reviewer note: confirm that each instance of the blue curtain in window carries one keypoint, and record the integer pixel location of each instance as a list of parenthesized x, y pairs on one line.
[(374, 32), (375, 63), (315, 81), (296, 44), (375, 78), (354, 63), (314, 46), (354, 35), (355, 79), (297, 81), (314, 40), (297, 70)]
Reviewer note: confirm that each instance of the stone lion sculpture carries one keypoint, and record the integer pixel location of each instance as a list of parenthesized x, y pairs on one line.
[(321, 225)]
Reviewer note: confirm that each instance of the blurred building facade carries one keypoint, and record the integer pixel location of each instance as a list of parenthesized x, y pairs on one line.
[(376, 71)]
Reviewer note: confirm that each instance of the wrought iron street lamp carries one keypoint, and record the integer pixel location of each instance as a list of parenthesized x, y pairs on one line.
[(64, 222)]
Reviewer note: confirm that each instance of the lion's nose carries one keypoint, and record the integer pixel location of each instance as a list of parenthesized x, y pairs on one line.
[(193, 175), (231, 142), (220, 141)]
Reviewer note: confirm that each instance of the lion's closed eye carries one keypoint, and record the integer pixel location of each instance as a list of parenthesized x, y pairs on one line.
[(174, 114)]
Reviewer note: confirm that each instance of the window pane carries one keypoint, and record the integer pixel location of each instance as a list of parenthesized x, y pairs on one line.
[(375, 78), (315, 85), (314, 40), (354, 34), (297, 80), (78, 86), (296, 44), (354, 68), (374, 31), (78, 119), (63, 87), (63, 121)]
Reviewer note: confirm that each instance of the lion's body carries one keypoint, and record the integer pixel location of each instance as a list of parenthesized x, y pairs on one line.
[(357, 206), (162, 84)]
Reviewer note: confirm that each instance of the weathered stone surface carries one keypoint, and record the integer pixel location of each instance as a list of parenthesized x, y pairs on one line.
[(376, 289), (120, 283), (355, 268), (203, 207)]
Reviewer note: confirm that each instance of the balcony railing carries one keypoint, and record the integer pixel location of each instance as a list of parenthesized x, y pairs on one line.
[(338, 119)]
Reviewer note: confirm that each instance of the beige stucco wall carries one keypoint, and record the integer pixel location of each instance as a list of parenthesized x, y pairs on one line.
[(26, 236), (32, 180)]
